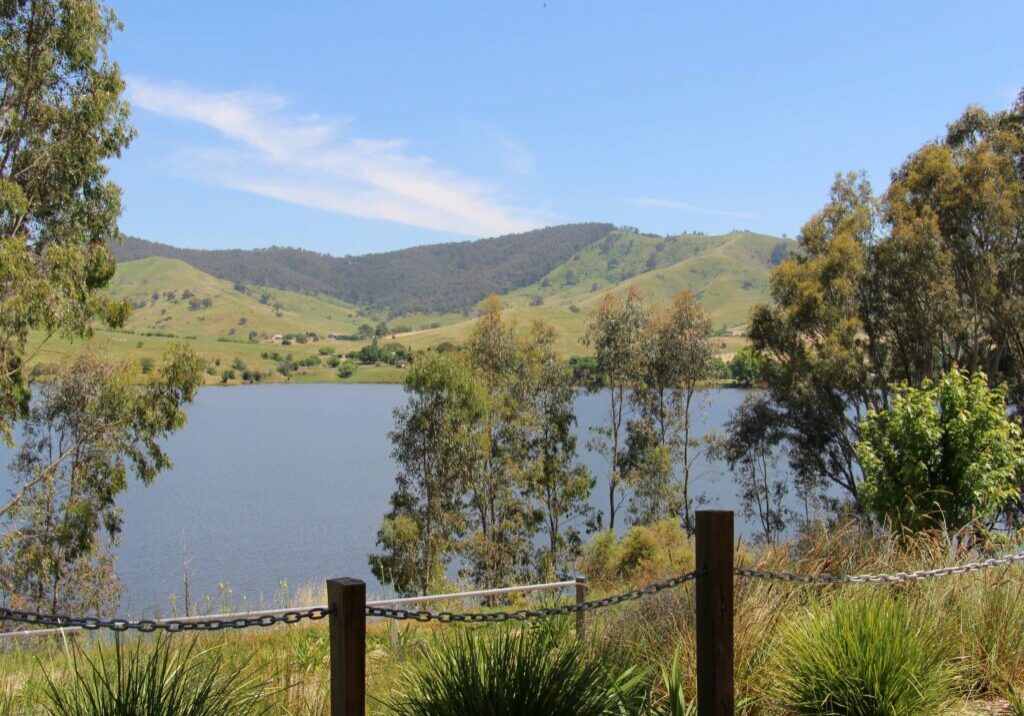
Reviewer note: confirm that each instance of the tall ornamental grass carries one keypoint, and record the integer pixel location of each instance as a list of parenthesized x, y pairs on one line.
[(863, 654), (517, 673), (153, 680)]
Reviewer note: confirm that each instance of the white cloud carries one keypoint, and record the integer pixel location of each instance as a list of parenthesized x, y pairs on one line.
[(683, 206), (309, 161)]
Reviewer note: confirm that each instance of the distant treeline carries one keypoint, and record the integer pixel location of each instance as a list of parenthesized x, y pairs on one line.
[(441, 278)]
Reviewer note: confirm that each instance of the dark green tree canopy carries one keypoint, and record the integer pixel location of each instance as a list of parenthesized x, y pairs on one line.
[(899, 289)]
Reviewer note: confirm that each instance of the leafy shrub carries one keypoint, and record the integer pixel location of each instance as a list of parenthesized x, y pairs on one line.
[(944, 454), (862, 655), (644, 553), (520, 673), (154, 681)]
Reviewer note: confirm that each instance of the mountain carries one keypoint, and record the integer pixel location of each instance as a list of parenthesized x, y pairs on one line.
[(228, 305), (728, 274), (438, 278)]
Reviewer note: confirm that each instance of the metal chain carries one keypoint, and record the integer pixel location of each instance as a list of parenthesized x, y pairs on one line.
[(169, 625), (316, 613), (524, 614), (879, 578)]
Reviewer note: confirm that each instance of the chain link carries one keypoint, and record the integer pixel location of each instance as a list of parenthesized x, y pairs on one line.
[(168, 625), (316, 613), (524, 614), (879, 578)]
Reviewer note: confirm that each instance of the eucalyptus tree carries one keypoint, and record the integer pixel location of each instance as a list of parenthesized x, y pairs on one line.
[(898, 289), (498, 546), (438, 443), (750, 445), (616, 333), (558, 486), (677, 355), (62, 116), (90, 428)]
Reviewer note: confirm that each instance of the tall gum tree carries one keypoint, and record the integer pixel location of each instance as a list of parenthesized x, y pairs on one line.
[(62, 116)]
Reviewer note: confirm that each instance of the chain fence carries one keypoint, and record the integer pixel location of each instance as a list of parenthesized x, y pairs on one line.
[(524, 614), (270, 618), (216, 623), (894, 578)]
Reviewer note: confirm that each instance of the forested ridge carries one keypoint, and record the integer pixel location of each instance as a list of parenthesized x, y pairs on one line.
[(434, 278)]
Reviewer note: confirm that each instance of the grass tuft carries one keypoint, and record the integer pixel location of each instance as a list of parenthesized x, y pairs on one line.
[(865, 654), (153, 681), (518, 673)]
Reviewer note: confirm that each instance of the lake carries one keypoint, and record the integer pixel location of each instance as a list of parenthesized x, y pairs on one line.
[(289, 482)]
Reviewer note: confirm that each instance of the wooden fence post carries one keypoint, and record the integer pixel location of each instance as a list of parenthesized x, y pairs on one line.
[(715, 689), (346, 600), (581, 617)]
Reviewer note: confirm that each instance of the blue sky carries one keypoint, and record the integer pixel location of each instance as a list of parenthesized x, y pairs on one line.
[(368, 125)]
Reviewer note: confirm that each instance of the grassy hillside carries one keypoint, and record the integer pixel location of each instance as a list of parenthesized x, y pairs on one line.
[(729, 274), (162, 291), (234, 323), (433, 278)]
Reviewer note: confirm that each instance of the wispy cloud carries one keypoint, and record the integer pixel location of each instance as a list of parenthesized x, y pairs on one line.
[(690, 208), (518, 158), (313, 162)]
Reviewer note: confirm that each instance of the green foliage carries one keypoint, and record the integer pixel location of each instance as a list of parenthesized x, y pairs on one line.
[(615, 332), (518, 673), (944, 454), (345, 369), (746, 367), (90, 427), (898, 289), (437, 447), (154, 681), (62, 117), (644, 553), (374, 353), (863, 655), (1015, 700)]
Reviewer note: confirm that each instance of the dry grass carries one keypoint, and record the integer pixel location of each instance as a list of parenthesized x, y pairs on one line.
[(980, 614)]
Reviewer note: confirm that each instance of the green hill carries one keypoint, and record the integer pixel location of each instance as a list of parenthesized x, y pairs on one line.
[(171, 296), (728, 274), (227, 321), (434, 278)]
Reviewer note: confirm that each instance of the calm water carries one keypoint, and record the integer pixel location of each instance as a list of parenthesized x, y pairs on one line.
[(289, 482)]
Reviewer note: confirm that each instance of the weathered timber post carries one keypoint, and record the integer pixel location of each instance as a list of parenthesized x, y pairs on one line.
[(581, 617), (346, 600), (714, 586)]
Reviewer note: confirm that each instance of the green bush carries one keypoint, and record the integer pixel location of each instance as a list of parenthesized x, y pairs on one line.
[(943, 455), (518, 673), (862, 655), (643, 554), (154, 680)]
